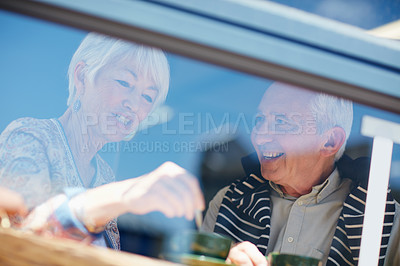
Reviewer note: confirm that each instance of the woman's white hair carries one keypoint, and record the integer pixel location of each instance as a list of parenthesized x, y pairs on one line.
[(97, 50), (332, 111)]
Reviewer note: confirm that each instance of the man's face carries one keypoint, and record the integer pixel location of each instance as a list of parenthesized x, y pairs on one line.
[(285, 137)]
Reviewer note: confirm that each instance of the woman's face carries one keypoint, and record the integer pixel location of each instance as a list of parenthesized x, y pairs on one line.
[(118, 99)]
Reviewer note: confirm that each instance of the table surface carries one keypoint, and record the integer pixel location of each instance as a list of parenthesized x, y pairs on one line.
[(20, 248)]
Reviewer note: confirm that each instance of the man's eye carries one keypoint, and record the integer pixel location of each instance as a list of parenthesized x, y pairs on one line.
[(281, 121), (286, 126), (280, 118), (123, 83), (147, 98), (259, 120)]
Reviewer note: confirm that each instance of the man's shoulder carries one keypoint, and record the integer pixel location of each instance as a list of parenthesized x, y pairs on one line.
[(355, 169), (397, 209), (237, 182), (251, 164), (221, 193)]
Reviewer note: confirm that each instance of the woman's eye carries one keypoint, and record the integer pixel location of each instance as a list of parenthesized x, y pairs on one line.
[(147, 98), (123, 83)]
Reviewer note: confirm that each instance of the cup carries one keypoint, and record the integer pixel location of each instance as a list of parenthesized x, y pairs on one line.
[(282, 259), (193, 243)]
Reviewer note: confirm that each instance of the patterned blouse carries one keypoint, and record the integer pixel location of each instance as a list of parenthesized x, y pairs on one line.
[(37, 162)]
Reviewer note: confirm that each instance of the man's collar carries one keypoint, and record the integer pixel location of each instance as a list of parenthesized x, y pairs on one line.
[(251, 165), (357, 170), (319, 191)]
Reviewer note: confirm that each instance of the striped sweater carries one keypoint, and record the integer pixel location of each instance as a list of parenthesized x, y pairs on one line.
[(245, 212)]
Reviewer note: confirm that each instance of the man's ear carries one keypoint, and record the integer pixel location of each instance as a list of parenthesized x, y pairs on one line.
[(79, 77), (333, 141)]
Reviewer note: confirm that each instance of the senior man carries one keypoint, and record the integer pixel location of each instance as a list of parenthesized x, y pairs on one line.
[(300, 195)]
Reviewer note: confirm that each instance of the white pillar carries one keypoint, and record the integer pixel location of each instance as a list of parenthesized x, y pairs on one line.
[(384, 134)]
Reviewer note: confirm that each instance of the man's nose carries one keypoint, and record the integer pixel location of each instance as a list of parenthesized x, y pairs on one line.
[(263, 134)]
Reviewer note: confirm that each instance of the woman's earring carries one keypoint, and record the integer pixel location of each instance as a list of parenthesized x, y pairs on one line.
[(77, 105)]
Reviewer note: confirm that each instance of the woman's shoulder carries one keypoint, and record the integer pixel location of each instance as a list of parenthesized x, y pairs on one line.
[(30, 122), (28, 127)]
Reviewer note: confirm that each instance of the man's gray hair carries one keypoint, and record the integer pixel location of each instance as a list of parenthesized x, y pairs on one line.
[(97, 51), (332, 111)]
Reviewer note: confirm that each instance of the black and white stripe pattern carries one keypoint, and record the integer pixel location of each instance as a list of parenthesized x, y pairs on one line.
[(245, 215), (345, 248)]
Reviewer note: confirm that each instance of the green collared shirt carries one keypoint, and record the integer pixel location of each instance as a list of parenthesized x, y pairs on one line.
[(306, 225)]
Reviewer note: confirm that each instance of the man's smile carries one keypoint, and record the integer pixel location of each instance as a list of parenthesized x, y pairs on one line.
[(271, 155)]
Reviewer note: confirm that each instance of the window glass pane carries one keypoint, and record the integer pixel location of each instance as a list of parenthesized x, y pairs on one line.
[(211, 119), (364, 14)]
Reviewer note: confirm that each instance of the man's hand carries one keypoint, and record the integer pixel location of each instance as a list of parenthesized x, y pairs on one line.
[(246, 254), (169, 189)]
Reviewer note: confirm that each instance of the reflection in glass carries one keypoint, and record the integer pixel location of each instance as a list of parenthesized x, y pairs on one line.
[(301, 194), (212, 118)]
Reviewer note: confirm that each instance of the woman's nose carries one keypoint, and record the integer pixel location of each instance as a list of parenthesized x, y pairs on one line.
[(131, 103)]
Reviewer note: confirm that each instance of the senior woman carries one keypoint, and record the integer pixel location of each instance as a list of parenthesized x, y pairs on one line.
[(113, 86)]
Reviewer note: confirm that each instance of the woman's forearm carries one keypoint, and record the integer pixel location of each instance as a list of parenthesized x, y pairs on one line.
[(100, 205), (169, 189)]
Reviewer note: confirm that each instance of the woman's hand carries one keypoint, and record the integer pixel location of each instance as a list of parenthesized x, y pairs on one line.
[(246, 254), (12, 208), (38, 219), (12, 202), (54, 218), (169, 189)]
